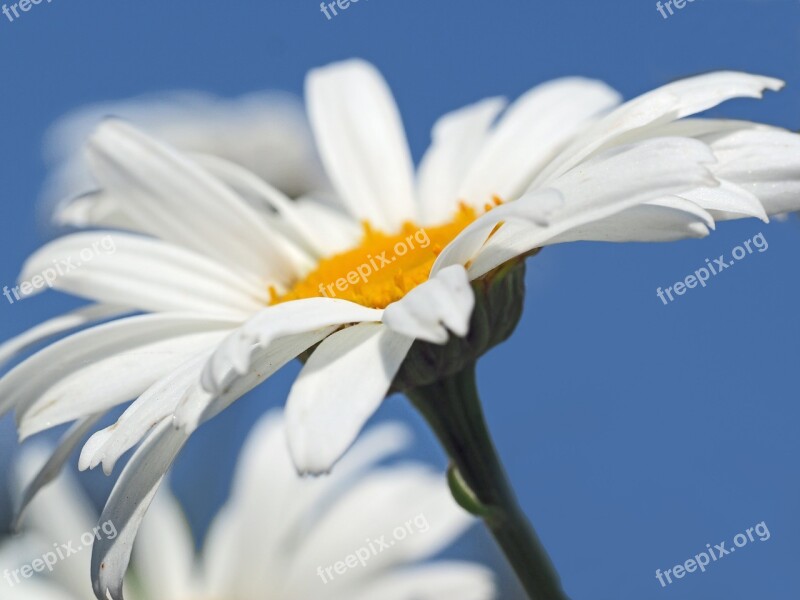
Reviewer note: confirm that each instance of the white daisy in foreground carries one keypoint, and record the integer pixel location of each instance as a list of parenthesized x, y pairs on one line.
[(402, 289), (358, 535)]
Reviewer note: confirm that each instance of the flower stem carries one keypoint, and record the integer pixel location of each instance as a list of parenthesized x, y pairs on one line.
[(478, 481)]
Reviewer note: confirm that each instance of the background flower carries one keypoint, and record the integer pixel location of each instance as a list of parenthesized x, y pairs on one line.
[(360, 534)]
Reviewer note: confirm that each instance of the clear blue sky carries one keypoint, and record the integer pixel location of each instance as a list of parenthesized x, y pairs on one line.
[(635, 433)]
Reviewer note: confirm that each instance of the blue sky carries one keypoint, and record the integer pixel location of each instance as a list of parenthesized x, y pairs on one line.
[(635, 433)]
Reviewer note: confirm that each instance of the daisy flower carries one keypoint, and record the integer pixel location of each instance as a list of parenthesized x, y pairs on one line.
[(400, 288), (359, 534)]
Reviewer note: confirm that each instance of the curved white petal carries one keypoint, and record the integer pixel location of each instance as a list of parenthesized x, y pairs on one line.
[(37, 590), (696, 127), (158, 402), (54, 464), (281, 529), (274, 322), (245, 537), (342, 384), (335, 230), (530, 134), (663, 220), (738, 143), (198, 405), (128, 504), (727, 201), (413, 499), (250, 185), (164, 550), (172, 197), (265, 132), (599, 188), (426, 313), (60, 513), (540, 209), (144, 273), (465, 581), (764, 162), (25, 384), (110, 381), (360, 137), (96, 208), (657, 107), (271, 508), (457, 139), (58, 325)]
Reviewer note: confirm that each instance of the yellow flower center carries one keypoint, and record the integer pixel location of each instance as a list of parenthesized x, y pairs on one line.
[(383, 267)]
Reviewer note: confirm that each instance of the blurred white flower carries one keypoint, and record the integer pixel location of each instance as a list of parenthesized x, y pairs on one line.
[(359, 534)]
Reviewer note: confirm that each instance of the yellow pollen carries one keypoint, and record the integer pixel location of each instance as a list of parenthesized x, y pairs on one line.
[(383, 267)]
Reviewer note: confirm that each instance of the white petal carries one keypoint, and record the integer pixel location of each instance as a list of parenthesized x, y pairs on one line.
[(530, 134), (341, 385), (662, 220), (429, 310), (178, 201), (361, 140), (95, 209), (144, 273), (37, 590), (668, 103), (198, 405), (24, 384), (465, 581), (164, 550), (457, 138), (728, 201), (764, 162), (411, 497), (57, 325), (271, 508), (244, 537), (734, 139), (539, 209), (335, 231), (266, 133), (697, 127), (127, 506), (55, 463), (61, 512), (158, 402), (274, 322), (250, 185), (607, 184), (111, 381)]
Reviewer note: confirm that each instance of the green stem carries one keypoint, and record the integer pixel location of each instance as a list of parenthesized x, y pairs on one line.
[(453, 409)]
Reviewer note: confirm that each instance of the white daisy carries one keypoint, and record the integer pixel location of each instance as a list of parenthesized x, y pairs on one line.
[(359, 534), (235, 289)]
